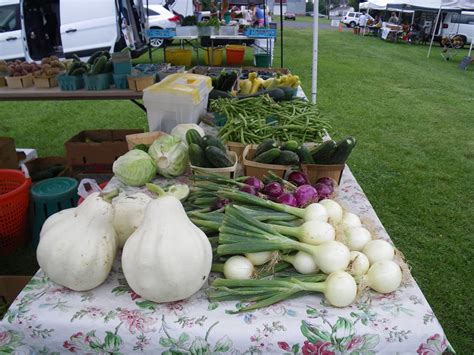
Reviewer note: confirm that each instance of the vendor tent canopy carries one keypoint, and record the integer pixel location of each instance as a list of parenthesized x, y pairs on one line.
[(375, 5)]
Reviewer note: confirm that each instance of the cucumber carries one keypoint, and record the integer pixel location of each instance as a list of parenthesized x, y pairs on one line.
[(197, 157), (287, 157), (93, 57), (267, 144), (268, 156), (217, 157), (304, 155), (290, 145), (109, 67), (99, 66), (193, 136), (343, 150), (72, 67), (78, 71), (76, 58), (322, 154), (213, 141)]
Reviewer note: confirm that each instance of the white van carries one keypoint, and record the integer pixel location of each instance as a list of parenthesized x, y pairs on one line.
[(11, 45), (67, 27), (461, 24)]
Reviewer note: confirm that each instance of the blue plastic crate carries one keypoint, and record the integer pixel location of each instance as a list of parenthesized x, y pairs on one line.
[(70, 82), (121, 81)]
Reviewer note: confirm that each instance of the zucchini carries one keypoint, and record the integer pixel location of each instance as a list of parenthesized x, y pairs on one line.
[(304, 155), (287, 157), (99, 65), (197, 157), (343, 150), (267, 144), (193, 136), (73, 66), (290, 145), (268, 156), (322, 154), (78, 71), (217, 94), (76, 58), (288, 91), (217, 157), (276, 94), (213, 141)]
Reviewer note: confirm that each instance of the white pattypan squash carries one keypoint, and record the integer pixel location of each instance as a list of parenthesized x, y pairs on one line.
[(167, 258), (129, 212), (77, 246)]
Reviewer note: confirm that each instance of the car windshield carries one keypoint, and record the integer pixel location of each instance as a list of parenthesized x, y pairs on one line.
[(152, 12)]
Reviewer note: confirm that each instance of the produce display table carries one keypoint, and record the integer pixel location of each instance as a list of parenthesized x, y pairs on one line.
[(111, 318)]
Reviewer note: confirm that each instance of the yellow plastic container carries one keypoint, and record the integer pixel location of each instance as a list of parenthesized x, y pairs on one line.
[(178, 98), (216, 59), (179, 56)]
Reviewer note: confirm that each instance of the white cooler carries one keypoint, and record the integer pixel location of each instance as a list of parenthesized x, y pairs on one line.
[(179, 98)]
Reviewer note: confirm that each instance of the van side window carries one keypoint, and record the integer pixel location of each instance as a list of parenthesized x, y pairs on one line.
[(350, 14), (466, 19), (10, 18)]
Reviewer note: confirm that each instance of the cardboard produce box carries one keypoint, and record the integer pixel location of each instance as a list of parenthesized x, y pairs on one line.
[(8, 156), (95, 151), (11, 286)]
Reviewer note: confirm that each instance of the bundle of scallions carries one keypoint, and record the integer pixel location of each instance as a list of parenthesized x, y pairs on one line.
[(256, 235)]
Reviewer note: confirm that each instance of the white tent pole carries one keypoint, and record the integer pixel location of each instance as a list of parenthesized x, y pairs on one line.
[(434, 29), (314, 88)]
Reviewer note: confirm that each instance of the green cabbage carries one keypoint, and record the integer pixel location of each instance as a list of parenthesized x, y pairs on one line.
[(135, 168), (170, 154)]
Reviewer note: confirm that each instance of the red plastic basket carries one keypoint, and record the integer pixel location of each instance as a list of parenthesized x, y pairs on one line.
[(14, 199)]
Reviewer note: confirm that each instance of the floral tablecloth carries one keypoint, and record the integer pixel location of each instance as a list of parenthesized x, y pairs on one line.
[(47, 318)]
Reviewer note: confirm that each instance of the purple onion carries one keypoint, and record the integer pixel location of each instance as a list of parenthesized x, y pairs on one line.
[(249, 189), (298, 178), (305, 195), (273, 189), (324, 191), (255, 182), (220, 203), (287, 199), (328, 181)]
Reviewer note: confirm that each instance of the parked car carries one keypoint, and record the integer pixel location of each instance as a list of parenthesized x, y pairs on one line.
[(159, 18), (460, 25), (290, 16), (351, 19), (33, 30)]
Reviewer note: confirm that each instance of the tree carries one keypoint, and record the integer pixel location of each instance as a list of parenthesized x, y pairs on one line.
[(309, 6)]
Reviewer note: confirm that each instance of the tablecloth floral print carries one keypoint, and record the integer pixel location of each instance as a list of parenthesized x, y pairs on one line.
[(49, 319)]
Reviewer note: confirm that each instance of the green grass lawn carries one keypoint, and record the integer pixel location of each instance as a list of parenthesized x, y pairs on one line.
[(413, 118)]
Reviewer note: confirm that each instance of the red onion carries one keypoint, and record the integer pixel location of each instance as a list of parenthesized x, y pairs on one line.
[(255, 182), (305, 195), (249, 189), (298, 178), (324, 191), (328, 181), (220, 202), (287, 199), (273, 189)]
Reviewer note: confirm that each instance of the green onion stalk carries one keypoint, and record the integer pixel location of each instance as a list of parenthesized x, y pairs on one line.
[(339, 289)]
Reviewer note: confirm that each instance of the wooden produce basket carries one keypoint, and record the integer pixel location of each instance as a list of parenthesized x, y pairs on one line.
[(19, 82), (45, 81), (259, 170), (139, 83), (143, 138), (225, 172), (3, 82), (317, 171), (237, 148)]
